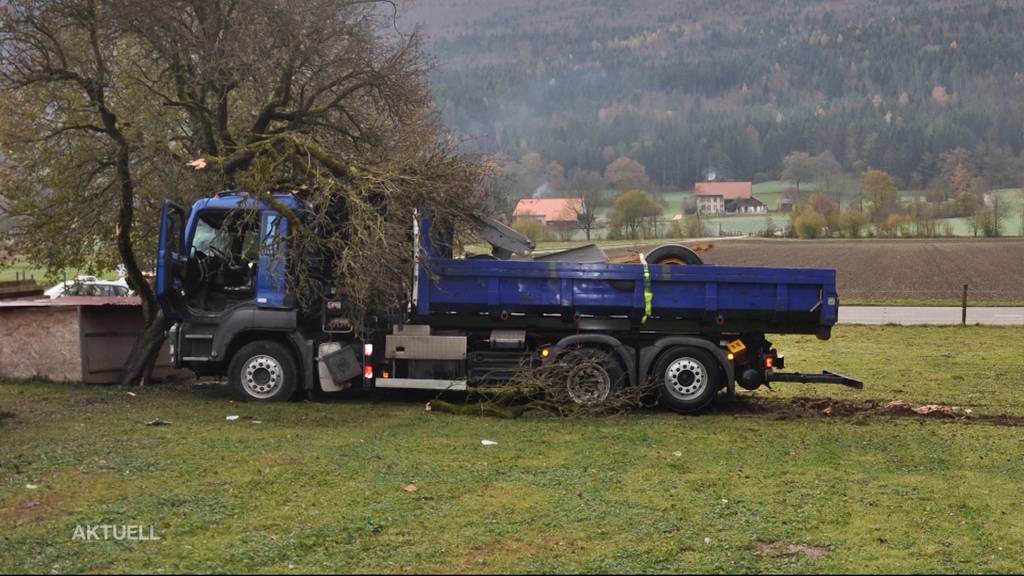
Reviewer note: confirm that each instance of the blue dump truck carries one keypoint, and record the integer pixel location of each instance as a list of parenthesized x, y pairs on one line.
[(691, 331)]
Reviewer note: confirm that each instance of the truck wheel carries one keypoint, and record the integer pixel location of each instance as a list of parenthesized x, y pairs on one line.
[(687, 379), (673, 254), (263, 370), (593, 374)]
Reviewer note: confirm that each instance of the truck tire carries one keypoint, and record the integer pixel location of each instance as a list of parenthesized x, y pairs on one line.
[(263, 371), (686, 379), (673, 254), (592, 375)]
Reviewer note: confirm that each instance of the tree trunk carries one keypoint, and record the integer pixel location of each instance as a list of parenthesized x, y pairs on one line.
[(139, 368), (144, 352)]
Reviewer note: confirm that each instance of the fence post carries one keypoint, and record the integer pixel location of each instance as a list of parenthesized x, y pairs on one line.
[(963, 308)]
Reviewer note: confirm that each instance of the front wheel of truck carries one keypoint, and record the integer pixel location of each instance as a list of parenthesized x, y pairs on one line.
[(687, 379), (263, 371)]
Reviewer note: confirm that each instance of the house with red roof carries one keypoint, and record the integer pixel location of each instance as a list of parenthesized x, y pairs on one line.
[(552, 212), (727, 197)]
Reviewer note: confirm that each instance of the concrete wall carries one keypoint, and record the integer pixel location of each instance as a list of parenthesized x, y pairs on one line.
[(40, 342)]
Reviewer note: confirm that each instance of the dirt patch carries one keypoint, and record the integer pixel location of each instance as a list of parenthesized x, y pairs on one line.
[(823, 409), (504, 550), (58, 493), (781, 549), (31, 509)]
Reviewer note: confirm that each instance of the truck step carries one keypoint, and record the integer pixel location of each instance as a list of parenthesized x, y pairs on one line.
[(420, 384)]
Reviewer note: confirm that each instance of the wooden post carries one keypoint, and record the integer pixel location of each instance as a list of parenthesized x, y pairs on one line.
[(963, 308)]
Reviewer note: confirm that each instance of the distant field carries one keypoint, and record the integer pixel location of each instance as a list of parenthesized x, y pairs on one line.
[(894, 270)]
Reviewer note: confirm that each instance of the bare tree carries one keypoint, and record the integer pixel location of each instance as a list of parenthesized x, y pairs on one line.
[(589, 187)]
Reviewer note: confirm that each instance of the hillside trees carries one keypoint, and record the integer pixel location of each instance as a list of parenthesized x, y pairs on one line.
[(740, 96), (627, 174), (112, 103)]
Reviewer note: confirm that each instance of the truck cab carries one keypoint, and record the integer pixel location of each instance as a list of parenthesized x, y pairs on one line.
[(221, 278)]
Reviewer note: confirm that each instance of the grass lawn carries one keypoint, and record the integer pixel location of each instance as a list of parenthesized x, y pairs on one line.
[(319, 486), (23, 269)]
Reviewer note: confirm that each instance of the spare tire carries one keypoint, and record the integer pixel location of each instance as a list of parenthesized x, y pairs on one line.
[(673, 254)]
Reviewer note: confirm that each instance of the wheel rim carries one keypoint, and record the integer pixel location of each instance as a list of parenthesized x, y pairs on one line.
[(686, 378), (589, 384), (262, 376)]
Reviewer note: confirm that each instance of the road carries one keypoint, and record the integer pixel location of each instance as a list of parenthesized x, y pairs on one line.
[(920, 315)]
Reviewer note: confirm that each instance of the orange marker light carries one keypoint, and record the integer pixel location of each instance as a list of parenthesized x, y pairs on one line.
[(768, 361), (368, 371)]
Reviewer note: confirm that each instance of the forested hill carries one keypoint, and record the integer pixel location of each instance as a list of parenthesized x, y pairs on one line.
[(685, 87)]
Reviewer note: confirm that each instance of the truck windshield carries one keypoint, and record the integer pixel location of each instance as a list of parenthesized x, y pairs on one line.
[(219, 234)]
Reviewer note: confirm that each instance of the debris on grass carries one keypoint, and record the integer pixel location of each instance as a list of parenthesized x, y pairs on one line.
[(157, 422), (934, 410), (781, 549), (232, 417), (488, 442), (410, 488), (541, 390), (803, 407), (31, 486)]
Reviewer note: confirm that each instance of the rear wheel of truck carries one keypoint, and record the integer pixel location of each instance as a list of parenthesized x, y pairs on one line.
[(263, 371), (592, 375), (687, 379)]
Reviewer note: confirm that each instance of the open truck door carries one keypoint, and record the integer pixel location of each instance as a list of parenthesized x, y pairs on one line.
[(171, 262)]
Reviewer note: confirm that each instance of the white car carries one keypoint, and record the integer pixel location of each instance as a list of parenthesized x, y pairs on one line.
[(89, 286)]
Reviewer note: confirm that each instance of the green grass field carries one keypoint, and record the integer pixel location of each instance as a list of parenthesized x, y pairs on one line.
[(754, 487), (23, 269)]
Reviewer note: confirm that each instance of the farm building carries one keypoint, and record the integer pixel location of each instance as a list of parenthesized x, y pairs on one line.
[(555, 213), (715, 197), (746, 206)]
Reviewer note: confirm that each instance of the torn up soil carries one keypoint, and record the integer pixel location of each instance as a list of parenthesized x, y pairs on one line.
[(823, 409)]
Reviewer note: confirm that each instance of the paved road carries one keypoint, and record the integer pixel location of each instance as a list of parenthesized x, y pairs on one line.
[(911, 315)]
